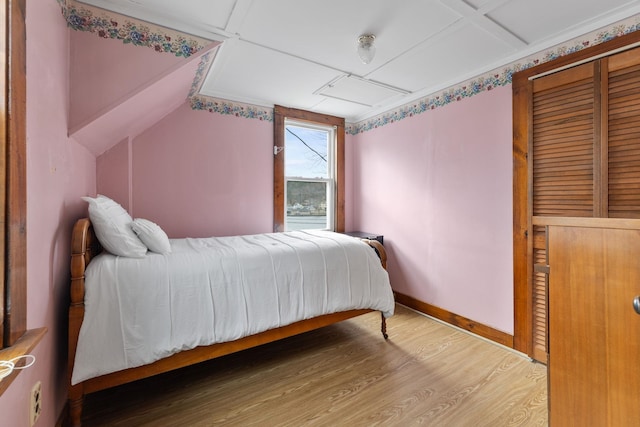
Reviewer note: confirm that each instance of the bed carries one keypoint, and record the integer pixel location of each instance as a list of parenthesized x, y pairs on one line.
[(88, 259)]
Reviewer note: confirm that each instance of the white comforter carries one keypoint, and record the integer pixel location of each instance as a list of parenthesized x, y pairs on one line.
[(213, 290)]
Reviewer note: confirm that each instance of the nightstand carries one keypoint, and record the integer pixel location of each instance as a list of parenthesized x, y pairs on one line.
[(365, 235)]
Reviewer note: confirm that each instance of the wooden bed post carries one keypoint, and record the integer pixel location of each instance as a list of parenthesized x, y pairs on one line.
[(382, 254), (383, 326), (83, 247)]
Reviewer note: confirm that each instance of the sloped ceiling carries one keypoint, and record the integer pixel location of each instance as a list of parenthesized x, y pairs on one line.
[(137, 111), (117, 90), (302, 53)]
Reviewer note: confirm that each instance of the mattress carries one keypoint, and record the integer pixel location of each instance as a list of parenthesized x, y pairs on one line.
[(218, 289)]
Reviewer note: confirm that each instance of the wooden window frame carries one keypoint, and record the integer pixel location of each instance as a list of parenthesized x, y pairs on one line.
[(16, 340), (280, 115), (522, 210)]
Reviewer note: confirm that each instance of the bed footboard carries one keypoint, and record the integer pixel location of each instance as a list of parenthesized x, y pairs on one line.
[(382, 254), (377, 246)]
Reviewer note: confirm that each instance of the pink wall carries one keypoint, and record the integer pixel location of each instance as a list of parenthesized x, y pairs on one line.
[(113, 173), (200, 174), (58, 172), (439, 187)]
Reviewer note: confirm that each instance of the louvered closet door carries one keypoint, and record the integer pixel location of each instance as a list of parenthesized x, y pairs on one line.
[(565, 134), (623, 152), (584, 155)]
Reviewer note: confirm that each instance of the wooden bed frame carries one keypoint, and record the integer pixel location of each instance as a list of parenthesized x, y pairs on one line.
[(84, 246)]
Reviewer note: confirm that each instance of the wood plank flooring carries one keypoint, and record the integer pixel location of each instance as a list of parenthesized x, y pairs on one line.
[(427, 373)]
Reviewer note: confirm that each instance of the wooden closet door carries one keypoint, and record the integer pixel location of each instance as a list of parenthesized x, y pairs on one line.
[(565, 137), (566, 131), (583, 158), (621, 91), (594, 331)]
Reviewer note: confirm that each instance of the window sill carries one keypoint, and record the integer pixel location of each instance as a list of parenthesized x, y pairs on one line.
[(23, 346)]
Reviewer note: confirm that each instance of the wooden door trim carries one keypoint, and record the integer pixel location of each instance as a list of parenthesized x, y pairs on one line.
[(16, 340), (523, 301), (14, 174)]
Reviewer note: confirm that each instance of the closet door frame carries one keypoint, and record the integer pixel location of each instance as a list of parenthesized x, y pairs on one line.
[(522, 209)]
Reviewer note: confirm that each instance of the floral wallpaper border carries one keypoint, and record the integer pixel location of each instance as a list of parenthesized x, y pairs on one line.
[(111, 25), (203, 67), (494, 79), (221, 106)]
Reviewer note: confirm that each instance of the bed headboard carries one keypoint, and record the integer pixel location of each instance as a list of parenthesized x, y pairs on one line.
[(84, 246), (84, 241)]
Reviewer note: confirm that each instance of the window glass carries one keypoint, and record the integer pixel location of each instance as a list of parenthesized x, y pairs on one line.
[(306, 205), (309, 176), (307, 151)]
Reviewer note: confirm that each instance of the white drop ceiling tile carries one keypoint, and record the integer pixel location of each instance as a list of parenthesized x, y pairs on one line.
[(326, 31), (538, 20), (339, 108), (213, 12), (467, 52), (359, 91), (248, 73)]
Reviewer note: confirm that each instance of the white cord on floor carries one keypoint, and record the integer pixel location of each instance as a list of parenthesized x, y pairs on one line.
[(7, 366)]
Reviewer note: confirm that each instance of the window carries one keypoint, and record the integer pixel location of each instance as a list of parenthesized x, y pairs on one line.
[(308, 171), (309, 176)]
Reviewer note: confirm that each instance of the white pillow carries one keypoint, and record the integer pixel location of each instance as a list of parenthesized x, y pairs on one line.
[(112, 225), (151, 235)]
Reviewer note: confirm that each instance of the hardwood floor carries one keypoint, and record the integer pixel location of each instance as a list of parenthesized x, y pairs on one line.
[(427, 373)]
